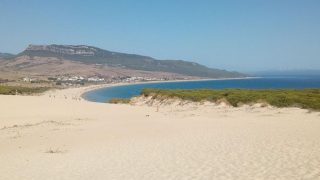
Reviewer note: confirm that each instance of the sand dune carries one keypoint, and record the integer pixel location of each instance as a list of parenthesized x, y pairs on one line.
[(58, 136)]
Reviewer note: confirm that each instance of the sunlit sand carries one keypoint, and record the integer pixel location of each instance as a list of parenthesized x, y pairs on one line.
[(58, 136)]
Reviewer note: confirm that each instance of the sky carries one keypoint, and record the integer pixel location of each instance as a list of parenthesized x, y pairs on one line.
[(246, 35)]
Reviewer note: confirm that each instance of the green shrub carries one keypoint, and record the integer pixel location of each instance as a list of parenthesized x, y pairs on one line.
[(304, 98)]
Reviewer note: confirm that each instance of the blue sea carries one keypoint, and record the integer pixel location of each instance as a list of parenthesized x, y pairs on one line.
[(127, 91)]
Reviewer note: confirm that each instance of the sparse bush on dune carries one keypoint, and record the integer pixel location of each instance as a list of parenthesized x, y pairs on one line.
[(119, 101), (303, 98), (12, 90)]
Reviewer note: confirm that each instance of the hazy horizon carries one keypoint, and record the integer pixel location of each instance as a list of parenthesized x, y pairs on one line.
[(245, 36)]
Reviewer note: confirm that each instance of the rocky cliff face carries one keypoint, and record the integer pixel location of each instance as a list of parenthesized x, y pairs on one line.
[(65, 49)]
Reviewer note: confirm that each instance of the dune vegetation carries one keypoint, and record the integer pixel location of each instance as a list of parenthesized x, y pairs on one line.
[(119, 101), (303, 98), (12, 90)]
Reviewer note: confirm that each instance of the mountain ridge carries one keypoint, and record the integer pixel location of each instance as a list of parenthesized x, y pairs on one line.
[(93, 55)]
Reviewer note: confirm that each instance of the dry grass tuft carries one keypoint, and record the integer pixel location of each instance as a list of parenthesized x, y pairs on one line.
[(54, 151)]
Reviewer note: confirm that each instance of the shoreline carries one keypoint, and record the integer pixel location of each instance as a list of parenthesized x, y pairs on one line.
[(102, 86)]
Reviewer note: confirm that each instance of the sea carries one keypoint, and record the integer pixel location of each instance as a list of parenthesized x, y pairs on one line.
[(127, 91)]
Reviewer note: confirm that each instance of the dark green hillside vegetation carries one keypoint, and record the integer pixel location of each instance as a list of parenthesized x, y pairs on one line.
[(304, 98), (12, 90)]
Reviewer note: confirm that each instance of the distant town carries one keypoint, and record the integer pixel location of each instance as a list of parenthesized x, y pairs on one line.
[(82, 80)]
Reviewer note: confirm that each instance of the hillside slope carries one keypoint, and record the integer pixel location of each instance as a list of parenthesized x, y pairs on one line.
[(6, 55), (24, 66)]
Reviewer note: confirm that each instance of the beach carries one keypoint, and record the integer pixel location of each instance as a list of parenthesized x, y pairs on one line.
[(59, 135)]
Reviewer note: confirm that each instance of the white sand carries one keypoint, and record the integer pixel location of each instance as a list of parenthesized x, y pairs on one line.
[(42, 137)]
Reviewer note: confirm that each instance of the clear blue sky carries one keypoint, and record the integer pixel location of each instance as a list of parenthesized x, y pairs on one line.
[(244, 35)]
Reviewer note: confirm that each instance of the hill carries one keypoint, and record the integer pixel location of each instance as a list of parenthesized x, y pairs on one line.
[(92, 55), (6, 55)]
